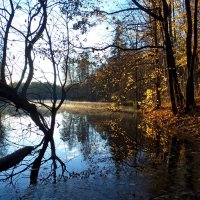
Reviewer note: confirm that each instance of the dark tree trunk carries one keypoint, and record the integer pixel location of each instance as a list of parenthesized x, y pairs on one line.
[(176, 96), (190, 101), (170, 68), (178, 92), (191, 56)]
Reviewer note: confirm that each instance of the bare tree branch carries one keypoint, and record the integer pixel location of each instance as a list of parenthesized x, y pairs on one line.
[(5, 41), (31, 44), (115, 12), (147, 10)]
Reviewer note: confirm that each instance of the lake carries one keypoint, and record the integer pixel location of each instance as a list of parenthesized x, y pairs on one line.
[(113, 156)]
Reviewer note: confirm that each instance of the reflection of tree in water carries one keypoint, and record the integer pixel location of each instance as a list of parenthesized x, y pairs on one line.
[(84, 137), (149, 148), (174, 154), (3, 143), (155, 143), (120, 139), (68, 130), (20, 140), (189, 163), (125, 139), (82, 129), (76, 130), (177, 157), (183, 165)]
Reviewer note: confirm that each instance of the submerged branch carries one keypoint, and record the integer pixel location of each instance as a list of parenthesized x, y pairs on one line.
[(14, 158)]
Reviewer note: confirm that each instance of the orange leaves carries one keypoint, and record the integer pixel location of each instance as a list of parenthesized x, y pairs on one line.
[(186, 125)]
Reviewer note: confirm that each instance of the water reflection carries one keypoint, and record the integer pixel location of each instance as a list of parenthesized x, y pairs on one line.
[(147, 161), (3, 137), (174, 154), (114, 137)]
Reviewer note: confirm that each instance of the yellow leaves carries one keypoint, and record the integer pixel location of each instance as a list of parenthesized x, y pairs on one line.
[(149, 130), (182, 61), (114, 97), (149, 94), (114, 107)]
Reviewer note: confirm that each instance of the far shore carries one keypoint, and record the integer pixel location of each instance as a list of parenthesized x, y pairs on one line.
[(84, 107), (76, 106), (95, 107)]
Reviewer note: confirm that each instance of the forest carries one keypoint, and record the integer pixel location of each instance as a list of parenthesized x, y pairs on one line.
[(130, 69)]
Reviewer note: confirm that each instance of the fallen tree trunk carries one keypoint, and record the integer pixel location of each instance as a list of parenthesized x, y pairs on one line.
[(14, 158)]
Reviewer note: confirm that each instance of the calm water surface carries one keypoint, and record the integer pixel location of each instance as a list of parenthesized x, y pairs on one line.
[(107, 157)]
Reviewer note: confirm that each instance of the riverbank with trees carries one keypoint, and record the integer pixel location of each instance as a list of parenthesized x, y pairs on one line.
[(181, 125)]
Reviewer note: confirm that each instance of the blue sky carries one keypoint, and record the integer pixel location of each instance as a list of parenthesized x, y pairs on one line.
[(97, 36)]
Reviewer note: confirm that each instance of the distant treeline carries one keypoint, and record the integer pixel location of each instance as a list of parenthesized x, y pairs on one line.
[(42, 91), (83, 92), (77, 92)]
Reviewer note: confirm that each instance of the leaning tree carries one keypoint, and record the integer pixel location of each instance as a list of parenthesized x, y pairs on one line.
[(35, 48)]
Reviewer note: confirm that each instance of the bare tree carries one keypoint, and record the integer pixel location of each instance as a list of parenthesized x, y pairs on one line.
[(36, 48)]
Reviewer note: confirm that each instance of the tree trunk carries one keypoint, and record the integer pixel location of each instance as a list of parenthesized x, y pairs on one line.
[(176, 96), (190, 101), (191, 56)]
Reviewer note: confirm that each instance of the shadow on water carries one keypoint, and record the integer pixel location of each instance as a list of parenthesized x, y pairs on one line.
[(119, 157)]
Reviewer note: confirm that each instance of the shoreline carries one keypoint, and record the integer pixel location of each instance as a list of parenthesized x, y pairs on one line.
[(180, 125), (183, 126)]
